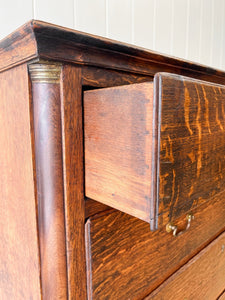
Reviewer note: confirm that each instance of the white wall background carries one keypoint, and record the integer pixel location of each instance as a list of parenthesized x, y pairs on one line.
[(190, 29)]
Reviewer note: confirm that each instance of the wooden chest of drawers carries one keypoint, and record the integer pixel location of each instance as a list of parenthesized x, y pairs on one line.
[(105, 150)]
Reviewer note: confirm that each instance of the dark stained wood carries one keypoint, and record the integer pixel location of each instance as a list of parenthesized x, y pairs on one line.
[(64, 44), (42, 156), (19, 249), (20, 46), (38, 39), (50, 194), (118, 156), (94, 207), (158, 157), (192, 142), (201, 278), (98, 77), (73, 180), (127, 261)]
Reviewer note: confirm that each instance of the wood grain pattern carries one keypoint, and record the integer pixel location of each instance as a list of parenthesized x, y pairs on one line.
[(201, 278), (192, 161), (124, 259), (38, 39), (98, 77), (94, 207), (127, 261), (50, 193), (155, 158), (92, 78), (73, 180), (65, 44), (20, 46), (19, 249), (118, 136)]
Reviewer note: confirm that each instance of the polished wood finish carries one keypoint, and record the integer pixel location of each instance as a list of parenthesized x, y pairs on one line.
[(152, 157), (19, 249), (93, 207), (37, 39), (43, 208), (49, 177), (191, 152), (127, 261), (118, 157), (201, 278), (20, 46), (93, 77), (72, 129)]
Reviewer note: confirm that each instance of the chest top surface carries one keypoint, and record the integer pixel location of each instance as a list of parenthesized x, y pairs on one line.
[(37, 40)]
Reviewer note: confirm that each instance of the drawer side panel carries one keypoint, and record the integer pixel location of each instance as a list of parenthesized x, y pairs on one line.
[(118, 147)]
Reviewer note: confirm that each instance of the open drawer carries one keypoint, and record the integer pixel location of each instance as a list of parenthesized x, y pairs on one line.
[(155, 150)]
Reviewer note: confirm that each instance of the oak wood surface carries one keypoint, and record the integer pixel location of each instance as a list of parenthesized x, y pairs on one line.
[(104, 63), (94, 77), (192, 139), (127, 261), (50, 189), (118, 135), (201, 278), (37, 39), (20, 46), (93, 207), (73, 180), (19, 249), (155, 158)]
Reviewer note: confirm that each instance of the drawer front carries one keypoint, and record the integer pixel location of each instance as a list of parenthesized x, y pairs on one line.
[(155, 150), (203, 277), (192, 143), (127, 261)]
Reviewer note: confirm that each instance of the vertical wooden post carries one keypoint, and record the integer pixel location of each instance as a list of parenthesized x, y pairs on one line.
[(71, 91), (45, 80)]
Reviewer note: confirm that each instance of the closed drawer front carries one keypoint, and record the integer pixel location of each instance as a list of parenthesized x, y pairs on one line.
[(201, 278), (127, 261), (155, 150)]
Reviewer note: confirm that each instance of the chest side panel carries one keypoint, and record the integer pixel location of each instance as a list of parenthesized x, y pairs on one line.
[(19, 257)]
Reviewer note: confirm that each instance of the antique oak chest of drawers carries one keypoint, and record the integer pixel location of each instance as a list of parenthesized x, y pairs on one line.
[(112, 170)]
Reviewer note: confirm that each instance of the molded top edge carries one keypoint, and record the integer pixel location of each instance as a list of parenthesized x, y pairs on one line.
[(38, 39)]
